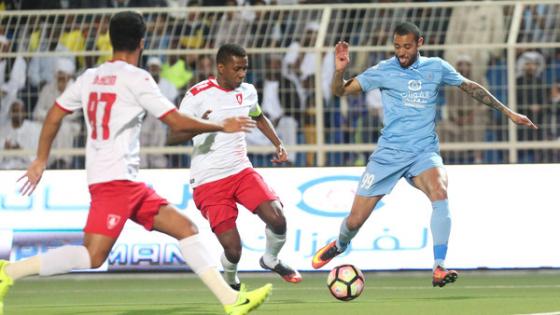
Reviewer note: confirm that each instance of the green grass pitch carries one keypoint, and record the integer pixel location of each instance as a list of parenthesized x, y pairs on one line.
[(476, 292)]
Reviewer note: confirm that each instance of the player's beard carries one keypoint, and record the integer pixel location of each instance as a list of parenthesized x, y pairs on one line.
[(411, 60)]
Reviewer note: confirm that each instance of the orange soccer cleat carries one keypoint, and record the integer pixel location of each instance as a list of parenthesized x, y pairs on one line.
[(324, 255), (443, 276)]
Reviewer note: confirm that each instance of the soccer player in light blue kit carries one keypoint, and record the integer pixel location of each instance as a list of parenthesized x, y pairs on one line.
[(409, 145)]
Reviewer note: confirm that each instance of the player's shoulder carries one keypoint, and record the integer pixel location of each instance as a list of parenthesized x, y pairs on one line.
[(432, 61), (123, 69), (440, 65), (88, 73), (383, 65), (135, 72), (248, 88), (202, 87)]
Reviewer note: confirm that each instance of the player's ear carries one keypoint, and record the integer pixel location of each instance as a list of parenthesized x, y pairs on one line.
[(141, 44), (420, 41)]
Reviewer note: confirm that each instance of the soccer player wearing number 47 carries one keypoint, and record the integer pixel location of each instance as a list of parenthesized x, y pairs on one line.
[(115, 97), (409, 145)]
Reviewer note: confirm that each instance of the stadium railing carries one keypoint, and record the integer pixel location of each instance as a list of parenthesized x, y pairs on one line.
[(513, 47)]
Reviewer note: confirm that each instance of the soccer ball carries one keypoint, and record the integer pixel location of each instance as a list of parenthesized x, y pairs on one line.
[(346, 282)]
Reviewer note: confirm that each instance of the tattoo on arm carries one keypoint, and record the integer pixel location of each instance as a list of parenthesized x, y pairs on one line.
[(338, 83), (479, 93)]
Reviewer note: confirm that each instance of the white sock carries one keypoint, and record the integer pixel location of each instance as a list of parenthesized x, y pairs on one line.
[(230, 270), (23, 268), (63, 260), (274, 243), (200, 261)]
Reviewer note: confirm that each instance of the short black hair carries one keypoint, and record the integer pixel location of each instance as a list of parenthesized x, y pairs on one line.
[(405, 28), (126, 30), (227, 51)]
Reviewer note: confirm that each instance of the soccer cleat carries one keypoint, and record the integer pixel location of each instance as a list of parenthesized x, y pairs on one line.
[(325, 254), (443, 276), (5, 283), (248, 301), (286, 272)]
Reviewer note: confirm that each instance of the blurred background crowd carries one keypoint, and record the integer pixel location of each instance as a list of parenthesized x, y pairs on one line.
[(291, 61)]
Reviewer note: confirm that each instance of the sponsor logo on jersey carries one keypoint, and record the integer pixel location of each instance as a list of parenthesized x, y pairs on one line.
[(415, 85)]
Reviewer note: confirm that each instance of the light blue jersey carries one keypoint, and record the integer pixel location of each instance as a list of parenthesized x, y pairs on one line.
[(409, 144), (409, 97)]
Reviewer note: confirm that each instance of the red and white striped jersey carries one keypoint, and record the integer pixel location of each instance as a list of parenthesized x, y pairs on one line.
[(114, 98), (218, 155)]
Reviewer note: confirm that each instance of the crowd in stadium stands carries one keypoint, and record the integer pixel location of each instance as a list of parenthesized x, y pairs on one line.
[(286, 82)]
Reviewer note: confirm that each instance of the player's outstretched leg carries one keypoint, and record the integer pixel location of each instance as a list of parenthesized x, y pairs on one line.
[(56, 261), (248, 301), (443, 276), (334, 248), (5, 283), (170, 221)]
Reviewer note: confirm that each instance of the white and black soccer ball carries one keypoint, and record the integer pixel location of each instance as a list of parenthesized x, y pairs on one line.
[(346, 282)]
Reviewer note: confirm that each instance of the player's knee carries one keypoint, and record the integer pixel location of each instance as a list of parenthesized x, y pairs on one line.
[(278, 225), (439, 193)]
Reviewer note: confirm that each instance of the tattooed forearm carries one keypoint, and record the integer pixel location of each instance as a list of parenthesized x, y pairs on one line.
[(479, 93), (338, 83)]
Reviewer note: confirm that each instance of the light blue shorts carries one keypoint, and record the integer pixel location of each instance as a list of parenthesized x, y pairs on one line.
[(386, 166)]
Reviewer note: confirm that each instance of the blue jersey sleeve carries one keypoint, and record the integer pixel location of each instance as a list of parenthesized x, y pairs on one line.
[(449, 75), (370, 79)]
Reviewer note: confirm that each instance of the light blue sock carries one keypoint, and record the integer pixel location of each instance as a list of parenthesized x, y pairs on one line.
[(441, 227), (345, 236)]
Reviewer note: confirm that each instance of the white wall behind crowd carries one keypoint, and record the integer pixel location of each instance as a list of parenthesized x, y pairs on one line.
[(503, 217)]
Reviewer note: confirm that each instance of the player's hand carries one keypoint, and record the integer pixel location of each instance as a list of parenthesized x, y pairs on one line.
[(522, 120), (240, 123), (281, 155), (342, 57), (33, 176)]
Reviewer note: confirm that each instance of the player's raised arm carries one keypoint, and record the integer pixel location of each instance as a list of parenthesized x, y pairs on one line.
[(481, 94), (48, 133), (339, 86)]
